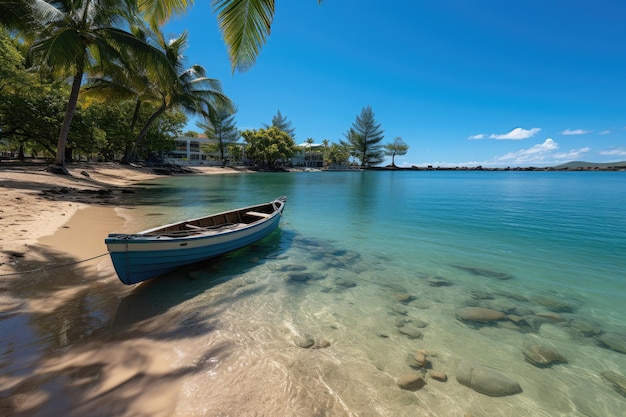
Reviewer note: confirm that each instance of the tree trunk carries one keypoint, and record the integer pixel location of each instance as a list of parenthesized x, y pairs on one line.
[(129, 155), (59, 161)]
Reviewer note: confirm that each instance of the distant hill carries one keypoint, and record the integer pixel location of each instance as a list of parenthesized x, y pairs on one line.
[(582, 164)]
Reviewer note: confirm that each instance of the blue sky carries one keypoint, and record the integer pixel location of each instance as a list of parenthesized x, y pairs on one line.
[(464, 83)]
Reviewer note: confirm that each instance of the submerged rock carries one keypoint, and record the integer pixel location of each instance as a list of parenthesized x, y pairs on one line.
[(345, 283), (439, 282), (542, 355), (478, 314), (410, 332), (614, 341), (584, 328), (486, 380), (304, 341), (438, 375), (484, 272), (618, 381), (554, 304), (411, 382), (404, 297)]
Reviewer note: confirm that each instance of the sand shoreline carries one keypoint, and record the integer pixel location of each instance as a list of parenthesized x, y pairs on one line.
[(37, 203)]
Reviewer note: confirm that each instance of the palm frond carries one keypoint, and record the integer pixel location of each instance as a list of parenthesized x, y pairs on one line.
[(245, 25), (158, 12)]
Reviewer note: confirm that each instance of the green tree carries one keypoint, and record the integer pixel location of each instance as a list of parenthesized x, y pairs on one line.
[(161, 135), (281, 122), (267, 146), (191, 134), (12, 72), (397, 147), (364, 138), (74, 34), (338, 154), (219, 126)]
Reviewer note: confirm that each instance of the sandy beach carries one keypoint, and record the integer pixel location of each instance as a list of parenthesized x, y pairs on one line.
[(53, 221)]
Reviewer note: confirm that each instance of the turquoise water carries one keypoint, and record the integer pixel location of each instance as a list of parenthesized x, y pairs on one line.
[(352, 243)]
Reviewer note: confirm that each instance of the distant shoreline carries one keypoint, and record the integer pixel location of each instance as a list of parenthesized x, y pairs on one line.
[(480, 168)]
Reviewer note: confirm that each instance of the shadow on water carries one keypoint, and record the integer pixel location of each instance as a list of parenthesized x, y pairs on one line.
[(154, 297), (77, 344)]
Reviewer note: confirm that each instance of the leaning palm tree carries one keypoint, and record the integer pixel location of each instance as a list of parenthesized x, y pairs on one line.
[(189, 90), (72, 35)]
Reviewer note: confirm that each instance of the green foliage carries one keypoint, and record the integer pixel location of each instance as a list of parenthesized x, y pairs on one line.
[(191, 134), (338, 154), (161, 135), (397, 147), (74, 36), (267, 146), (219, 127), (11, 65), (364, 139), (280, 122)]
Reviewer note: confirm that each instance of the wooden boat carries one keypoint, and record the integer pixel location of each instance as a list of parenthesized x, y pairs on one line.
[(147, 254)]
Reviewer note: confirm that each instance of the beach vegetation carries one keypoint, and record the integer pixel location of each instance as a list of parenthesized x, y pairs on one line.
[(74, 36), (396, 148), (364, 137), (268, 146), (337, 154)]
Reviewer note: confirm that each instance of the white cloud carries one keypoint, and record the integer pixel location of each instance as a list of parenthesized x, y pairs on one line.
[(537, 153), (477, 137), (570, 132), (614, 152), (605, 132), (542, 153), (572, 154), (517, 134)]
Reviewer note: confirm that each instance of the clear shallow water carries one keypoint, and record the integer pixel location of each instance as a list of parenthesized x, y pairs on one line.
[(350, 243)]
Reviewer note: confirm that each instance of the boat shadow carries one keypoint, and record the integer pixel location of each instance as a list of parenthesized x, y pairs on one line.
[(153, 298)]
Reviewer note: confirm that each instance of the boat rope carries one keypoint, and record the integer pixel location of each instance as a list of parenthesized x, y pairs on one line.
[(32, 271)]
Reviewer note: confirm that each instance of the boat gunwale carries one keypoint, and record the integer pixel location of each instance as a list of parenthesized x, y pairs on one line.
[(148, 235)]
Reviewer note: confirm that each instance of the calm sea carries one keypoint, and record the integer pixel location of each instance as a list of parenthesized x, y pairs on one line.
[(369, 267)]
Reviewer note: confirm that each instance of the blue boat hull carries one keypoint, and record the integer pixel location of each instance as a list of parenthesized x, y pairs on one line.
[(137, 257)]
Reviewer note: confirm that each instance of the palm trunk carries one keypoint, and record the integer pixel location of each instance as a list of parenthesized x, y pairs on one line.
[(128, 157), (59, 161)]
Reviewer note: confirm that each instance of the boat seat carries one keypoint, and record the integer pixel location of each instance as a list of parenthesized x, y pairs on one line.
[(258, 214), (193, 227)]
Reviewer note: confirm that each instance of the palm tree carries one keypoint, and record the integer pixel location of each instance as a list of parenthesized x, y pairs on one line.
[(72, 35), (189, 90), (185, 88)]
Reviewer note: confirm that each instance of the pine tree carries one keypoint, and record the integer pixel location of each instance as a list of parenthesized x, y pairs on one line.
[(364, 138), (220, 127), (281, 122)]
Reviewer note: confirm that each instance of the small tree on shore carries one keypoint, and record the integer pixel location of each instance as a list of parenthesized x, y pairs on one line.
[(364, 137), (397, 147), (267, 146)]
